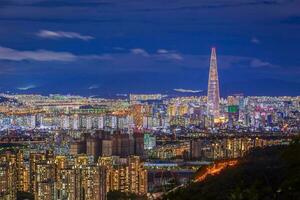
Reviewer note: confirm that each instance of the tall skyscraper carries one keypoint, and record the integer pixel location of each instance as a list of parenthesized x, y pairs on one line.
[(213, 93)]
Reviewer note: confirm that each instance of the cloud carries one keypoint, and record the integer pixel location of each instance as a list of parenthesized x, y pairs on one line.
[(170, 56), (225, 62), (161, 54), (254, 40), (45, 55), (62, 34), (259, 63), (162, 51), (139, 51), (39, 55), (187, 90), (96, 57), (28, 87), (92, 87), (137, 59)]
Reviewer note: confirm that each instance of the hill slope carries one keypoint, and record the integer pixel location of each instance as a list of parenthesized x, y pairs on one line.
[(270, 173)]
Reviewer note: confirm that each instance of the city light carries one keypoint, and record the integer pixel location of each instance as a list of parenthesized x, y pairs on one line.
[(149, 100)]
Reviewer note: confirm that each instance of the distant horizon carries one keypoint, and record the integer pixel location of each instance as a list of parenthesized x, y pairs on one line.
[(170, 93)]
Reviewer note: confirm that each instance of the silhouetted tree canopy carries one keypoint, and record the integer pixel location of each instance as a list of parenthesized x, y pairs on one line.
[(117, 195), (269, 173), (24, 196)]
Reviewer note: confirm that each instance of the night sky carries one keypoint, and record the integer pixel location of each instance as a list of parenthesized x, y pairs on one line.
[(106, 47)]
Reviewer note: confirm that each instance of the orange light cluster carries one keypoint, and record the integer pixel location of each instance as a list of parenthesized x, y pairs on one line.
[(214, 169), (121, 112)]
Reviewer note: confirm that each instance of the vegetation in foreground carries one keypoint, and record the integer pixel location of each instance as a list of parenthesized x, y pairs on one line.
[(269, 173), (117, 195)]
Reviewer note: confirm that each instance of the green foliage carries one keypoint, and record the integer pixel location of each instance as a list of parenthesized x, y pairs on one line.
[(24, 196), (290, 187), (269, 173), (117, 195)]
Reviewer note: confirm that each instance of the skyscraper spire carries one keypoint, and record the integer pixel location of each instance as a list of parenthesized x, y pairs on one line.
[(213, 93)]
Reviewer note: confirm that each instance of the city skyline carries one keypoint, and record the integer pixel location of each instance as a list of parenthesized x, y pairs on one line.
[(149, 100), (108, 48)]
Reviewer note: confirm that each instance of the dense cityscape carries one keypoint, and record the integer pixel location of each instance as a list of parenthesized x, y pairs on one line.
[(149, 100), (73, 147)]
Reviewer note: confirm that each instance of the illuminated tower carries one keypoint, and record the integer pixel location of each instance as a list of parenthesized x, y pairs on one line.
[(213, 93)]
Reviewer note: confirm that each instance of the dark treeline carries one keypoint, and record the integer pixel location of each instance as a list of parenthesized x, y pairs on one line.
[(269, 173)]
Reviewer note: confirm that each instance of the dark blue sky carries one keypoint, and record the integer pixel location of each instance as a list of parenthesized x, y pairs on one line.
[(101, 47)]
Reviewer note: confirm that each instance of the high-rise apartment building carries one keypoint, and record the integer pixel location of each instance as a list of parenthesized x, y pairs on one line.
[(125, 174), (22, 172), (44, 180), (8, 178)]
